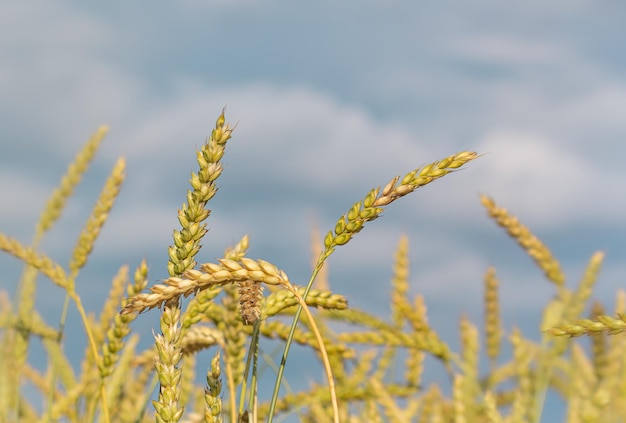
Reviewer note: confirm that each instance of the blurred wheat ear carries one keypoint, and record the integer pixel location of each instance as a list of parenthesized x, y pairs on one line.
[(14, 359)]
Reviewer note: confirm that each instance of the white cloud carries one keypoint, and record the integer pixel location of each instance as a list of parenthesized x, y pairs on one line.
[(291, 133), (546, 182), (58, 75)]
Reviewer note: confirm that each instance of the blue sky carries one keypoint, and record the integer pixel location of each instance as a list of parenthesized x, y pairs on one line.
[(330, 100)]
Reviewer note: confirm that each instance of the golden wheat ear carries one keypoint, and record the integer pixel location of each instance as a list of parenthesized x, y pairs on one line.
[(529, 242), (98, 217), (192, 216), (74, 174), (492, 319)]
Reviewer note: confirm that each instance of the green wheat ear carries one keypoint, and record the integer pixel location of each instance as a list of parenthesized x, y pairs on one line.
[(352, 222)]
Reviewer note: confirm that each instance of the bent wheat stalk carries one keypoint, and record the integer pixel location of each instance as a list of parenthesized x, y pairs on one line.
[(352, 222)]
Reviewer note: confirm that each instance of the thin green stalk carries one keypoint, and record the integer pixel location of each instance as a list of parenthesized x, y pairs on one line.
[(252, 401), (292, 331), (252, 357), (146, 401)]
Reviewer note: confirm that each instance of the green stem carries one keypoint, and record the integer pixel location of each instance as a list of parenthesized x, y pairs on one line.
[(281, 370)]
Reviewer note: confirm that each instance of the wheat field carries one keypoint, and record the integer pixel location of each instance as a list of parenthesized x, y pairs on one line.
[(230, 307)]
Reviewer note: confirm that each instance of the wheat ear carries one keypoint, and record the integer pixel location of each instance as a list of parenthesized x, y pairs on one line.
[(120, 328), (212, 396), (399, 301), (41, 262), (493, 322), (191, 217), (372, 205), (352, 222), (470, 356), (211, 274), (282, 300), (529, 242), (82, 249)]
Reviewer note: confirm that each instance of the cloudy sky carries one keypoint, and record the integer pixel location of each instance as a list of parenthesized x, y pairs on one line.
[(330, 99)]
